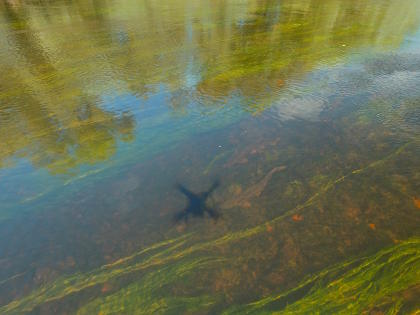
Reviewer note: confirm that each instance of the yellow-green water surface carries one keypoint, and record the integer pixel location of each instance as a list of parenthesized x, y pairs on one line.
[(302, 115)]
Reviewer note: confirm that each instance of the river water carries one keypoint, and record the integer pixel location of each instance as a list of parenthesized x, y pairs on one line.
[(208, 157)]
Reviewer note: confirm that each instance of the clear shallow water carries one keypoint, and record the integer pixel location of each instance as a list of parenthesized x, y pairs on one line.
[(306, 112)]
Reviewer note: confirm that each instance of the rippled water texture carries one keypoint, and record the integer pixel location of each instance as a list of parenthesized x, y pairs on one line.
[(208, 157)]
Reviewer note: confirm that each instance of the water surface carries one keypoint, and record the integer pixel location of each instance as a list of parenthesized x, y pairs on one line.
[(306, 113)]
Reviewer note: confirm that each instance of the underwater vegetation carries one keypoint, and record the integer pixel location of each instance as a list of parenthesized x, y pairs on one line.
[(355, 207), (352, 209), (186, 274), (387, 282), (149, 296)]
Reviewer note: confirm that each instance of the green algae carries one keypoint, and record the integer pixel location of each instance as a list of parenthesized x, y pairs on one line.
[(147, 296), (347, 288), (357, 290), (68, 285), (214, 160)]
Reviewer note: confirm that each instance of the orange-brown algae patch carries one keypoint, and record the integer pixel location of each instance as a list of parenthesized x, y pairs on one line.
[(353, 213), (181, 227), (372, 226), (280, 82), (246, 204), (106, 288), (416, 202), (68, 262), (276, 278), (297, 217), (235, 189)]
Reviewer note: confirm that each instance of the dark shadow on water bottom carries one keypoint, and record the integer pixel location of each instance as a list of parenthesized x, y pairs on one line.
[(197, 204)]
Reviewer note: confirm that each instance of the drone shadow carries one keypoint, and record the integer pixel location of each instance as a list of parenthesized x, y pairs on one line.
[(197, 204)]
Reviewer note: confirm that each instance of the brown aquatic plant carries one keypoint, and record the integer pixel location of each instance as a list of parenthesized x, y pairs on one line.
[(297, 217), (243, 199), (372, 226), (106, 288), (416, 202)]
